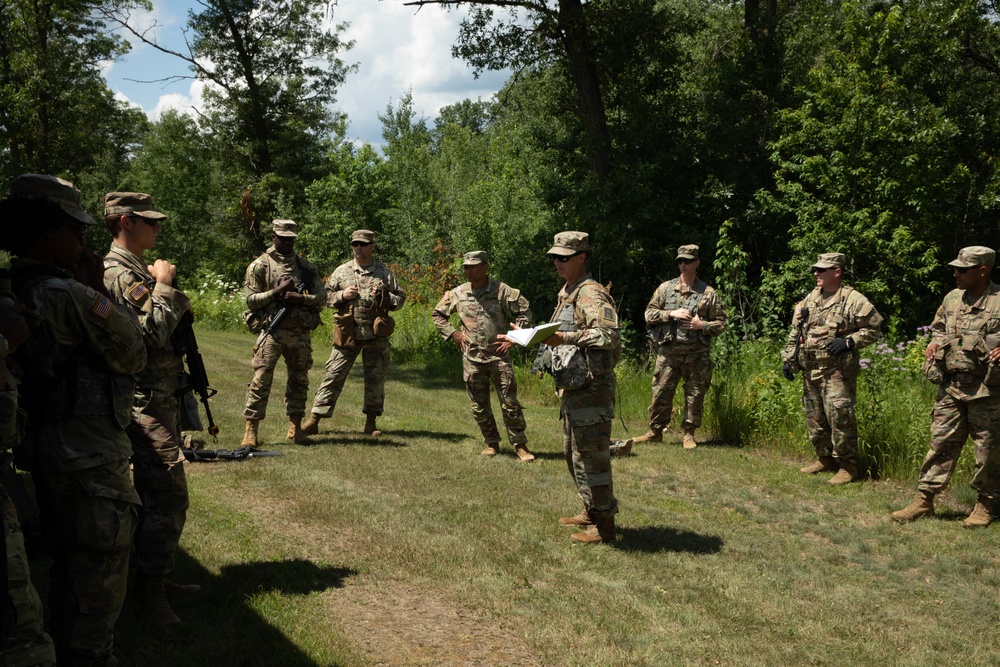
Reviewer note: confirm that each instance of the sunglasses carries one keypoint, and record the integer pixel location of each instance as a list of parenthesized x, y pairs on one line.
[(964, 269), (816, 269), (562, 259), (151, 223), (359, 244), (686, 261)]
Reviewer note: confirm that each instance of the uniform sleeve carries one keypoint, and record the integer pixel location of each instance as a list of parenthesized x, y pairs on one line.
[(786, 354), (939, 326), (869, 323), (158, 311), (712, 313), (396, 295), (256, 287), (517, 307), (108, 330), (654, 310), (335, 286), (442, 314), (598, 321)]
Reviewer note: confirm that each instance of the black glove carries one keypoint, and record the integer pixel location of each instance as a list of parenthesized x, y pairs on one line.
[(838, 345), (786, 370)]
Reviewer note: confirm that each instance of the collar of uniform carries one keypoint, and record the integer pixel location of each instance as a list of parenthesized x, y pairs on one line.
[(569, 289), (130, 258), (490, 284), (980, 303), (363, 269)]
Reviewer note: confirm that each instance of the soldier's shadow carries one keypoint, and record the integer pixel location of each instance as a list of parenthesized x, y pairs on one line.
[(655, 539), (221, 624)]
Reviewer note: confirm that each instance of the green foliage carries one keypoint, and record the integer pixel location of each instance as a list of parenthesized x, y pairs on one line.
[(216, 302)]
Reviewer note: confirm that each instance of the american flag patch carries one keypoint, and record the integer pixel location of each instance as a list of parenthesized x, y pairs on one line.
[(102, 308), (137, 291)]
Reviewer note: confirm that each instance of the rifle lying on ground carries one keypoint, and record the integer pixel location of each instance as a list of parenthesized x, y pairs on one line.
[(238, 454), (276, 320), (187, 344)]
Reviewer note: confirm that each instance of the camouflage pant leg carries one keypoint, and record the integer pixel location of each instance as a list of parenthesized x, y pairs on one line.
[(502, 374), (23, 642), (952, 422), (338, 366), (828, 403), (94, 516), (477, 384), (375, 359), (297, 348), (697, 372), (264, 360), (587, 415), (158, 472), (666, 376)]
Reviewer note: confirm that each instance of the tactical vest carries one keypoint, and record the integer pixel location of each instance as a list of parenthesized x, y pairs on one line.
[(573, 367), (966, 347), (813, 354), (298, 315), (665, 333)]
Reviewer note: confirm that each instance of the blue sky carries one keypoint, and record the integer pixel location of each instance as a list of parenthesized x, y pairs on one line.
[(396, 49)]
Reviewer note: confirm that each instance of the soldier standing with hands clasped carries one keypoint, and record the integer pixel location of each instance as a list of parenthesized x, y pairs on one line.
[(485, 307), (964, 359), (683, 315), (157, 463), (830, 325)]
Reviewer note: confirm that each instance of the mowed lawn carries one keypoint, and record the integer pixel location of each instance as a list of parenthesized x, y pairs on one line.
[(411, 549)]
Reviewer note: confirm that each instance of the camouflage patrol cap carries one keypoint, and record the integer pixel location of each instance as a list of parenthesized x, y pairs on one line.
[(569, 243), (53, 190), (131, 203), (829, 260), (288, 228), (974, 255), (475, 258), (363, 235), (687, 252)]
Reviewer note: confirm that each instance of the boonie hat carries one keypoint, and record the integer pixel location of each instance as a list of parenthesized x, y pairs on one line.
[(363, 235), (974, 255), (569, 243), (285, 228), (131, 203), (687, 252), (829, 260), (475, 257), (51, 189)]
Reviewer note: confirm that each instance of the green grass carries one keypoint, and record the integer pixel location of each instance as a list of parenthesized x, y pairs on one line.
[(411, 549)]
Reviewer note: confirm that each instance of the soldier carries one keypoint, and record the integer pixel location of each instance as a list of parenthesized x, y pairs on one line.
[(581, 358), (485, 306), (684, 314), (278, 279), (368, 290), (829, 327), (78, 390), (963, 359), (157, 463), (23, 640)]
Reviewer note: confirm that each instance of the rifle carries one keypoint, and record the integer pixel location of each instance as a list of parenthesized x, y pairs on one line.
[(238, 454), (276, 320), (185, 341)]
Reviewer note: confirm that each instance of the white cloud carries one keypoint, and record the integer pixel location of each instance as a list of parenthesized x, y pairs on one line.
[(183, 103)]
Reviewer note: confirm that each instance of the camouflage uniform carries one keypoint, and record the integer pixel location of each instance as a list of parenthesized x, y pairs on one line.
[(374, 350), (590, 323), (157, 463), (830, 381), (291, 339), (485, 313), (968, 402), (78, 390), (24, 642), (682, 353)]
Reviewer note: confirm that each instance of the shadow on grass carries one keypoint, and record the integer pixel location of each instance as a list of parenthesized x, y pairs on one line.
[(654, 539), (428, 378), (220, 624)]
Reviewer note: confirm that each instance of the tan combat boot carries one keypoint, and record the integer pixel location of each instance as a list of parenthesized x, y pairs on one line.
[(825, 464), (848, 473), (523, 454), (370, 428), (923, 505), (151, 603), (311, 425), (492, 449), (581, 519), (601, 532), (689, 441), (295, 433), (982, 514), (250, 436), (652, 435)]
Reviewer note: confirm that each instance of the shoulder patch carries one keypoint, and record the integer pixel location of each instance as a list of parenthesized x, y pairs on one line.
[(102, 308), (136, 292)]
